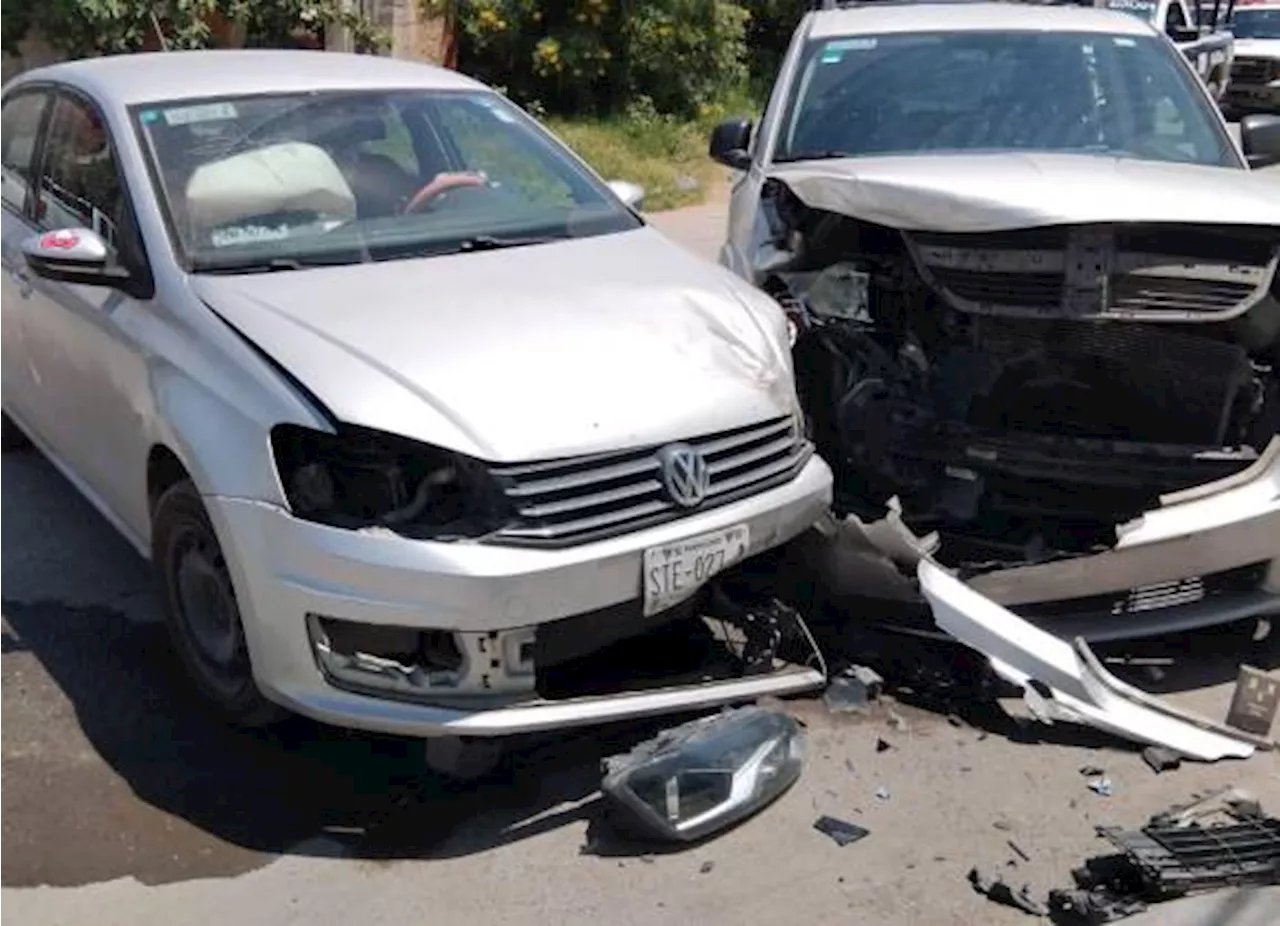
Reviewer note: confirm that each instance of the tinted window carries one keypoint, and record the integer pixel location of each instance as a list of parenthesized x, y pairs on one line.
[(1113, 95), (334, 177), (1257, 24), (21, 124), (79, 185)]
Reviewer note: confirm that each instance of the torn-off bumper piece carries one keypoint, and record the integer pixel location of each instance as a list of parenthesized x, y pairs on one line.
[(1063, 680)]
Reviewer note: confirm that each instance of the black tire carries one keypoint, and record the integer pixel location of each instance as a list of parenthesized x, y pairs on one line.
[(11, 436), (201, 611)]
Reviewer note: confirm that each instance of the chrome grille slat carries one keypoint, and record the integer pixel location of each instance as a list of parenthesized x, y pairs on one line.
[(580, 479), (594, 500), (567, 501)]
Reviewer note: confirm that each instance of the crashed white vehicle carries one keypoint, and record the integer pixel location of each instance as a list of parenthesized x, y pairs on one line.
[(1033, 284)]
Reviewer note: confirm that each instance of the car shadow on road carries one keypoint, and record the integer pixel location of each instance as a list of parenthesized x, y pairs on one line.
[(274, 790)]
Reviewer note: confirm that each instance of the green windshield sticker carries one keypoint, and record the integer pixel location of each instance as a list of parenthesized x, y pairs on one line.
[(833, 52), (148, 116), (205, 112)]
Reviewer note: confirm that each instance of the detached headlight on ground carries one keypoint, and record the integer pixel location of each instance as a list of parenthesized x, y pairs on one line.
[(705, 775)]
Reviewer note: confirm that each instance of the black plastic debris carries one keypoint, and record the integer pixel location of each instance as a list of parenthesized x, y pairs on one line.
[(883, 745), (1172, 856), (1018, 850), (997, 890), (703, 776), (1255, 702), (1161, 759), (843, 832), (1092, 771)]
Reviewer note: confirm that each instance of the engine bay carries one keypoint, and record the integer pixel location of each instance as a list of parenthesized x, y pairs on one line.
[(1022, 393)]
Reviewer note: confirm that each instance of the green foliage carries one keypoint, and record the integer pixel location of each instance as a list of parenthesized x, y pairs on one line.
[(80, 28), (584, 56), (768, 35)]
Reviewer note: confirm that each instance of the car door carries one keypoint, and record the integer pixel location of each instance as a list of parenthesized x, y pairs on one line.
[(93, 377), (23, 115)]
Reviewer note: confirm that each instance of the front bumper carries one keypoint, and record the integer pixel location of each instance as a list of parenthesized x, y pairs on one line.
[(1223, 528), (285, 569), (1248, 98)]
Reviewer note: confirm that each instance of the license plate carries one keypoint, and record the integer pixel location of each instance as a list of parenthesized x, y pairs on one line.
[(674, 571)]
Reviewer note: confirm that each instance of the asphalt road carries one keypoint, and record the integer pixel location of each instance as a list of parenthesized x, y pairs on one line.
[(125, 804)]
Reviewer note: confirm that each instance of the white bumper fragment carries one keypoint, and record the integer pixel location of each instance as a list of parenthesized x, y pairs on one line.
[(1063, 680)]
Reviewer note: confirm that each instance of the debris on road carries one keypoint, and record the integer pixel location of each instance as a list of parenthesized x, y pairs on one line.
[(703, 776), (883, 745), (882, 793), (1063, 680), (853, 690), (1161, 759), (997, 890), (1172, 856), (842, 832), (1101, 786), (1255, 702), (1018, 850), (706, 868), (898, 722), (1092, 771)]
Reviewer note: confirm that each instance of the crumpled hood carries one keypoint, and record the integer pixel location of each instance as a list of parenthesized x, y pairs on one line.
[(528, 353), (1003, 192)]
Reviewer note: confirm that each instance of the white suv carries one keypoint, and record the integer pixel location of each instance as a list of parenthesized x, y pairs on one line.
[(1033, 282)]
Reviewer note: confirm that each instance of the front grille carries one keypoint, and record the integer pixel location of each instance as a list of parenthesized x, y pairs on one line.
[(1132, 272), (1143, 293), (1253, 71), (576, 500)]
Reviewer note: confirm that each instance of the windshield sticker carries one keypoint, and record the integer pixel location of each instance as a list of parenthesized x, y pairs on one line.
[(833, 52), (205, 112), (1144, 9), (148, 116), (247, 234), (1125, 43)]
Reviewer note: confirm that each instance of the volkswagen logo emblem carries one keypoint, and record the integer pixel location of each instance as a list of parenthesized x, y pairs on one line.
[(685, 474)]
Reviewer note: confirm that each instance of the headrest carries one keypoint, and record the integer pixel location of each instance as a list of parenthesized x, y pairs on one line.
[(287, 177)]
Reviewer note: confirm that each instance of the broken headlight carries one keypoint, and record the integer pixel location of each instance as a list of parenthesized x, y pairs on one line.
[(358, 478), (705, 775)]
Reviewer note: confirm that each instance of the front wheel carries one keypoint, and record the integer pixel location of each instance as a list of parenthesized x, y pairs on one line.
[(201, 611)]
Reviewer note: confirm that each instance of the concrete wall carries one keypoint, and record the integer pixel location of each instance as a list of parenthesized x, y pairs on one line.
[(413, 35)]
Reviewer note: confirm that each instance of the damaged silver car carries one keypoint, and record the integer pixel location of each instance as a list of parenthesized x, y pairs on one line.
[(1033, 290), (421, 425)]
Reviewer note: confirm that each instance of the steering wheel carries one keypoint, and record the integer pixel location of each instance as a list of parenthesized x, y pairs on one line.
[(440, 185)]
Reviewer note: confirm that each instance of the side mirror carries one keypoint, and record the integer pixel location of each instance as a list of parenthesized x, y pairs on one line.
[(730, 141), (630, 193), (73, 255), (1260, 139)]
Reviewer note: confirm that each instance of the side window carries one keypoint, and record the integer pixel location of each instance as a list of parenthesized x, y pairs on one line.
[(21, 124), (79, 185), (1175, 20)]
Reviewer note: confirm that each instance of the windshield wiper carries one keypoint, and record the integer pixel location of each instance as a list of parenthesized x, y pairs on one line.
[(497, 242), (819, 155), (272, 265)]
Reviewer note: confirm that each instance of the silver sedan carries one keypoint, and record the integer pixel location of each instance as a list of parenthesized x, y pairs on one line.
[(416, 417)]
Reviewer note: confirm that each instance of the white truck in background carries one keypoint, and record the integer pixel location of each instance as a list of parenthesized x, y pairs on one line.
[(1255, 73), (1200, 30)]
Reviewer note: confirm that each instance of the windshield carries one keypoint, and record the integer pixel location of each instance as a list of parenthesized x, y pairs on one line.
[(1113, 95), (281, 181), (1256, 24)]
